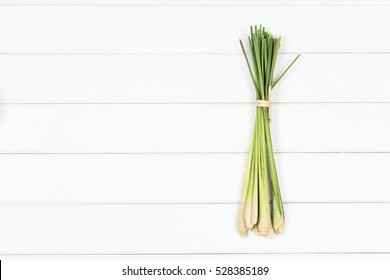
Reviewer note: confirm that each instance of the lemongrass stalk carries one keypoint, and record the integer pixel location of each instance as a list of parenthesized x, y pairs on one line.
[(265, 224), (241, 215), (251, 185), (278, 218), (248, 204), (255, 228), (255, 199)]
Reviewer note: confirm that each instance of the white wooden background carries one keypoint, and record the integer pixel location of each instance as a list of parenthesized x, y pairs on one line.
[(125, 126)]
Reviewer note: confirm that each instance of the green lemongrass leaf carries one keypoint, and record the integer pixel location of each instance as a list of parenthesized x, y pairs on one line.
[(265, 62), (269, 66), (259, 67), (254, 63), (249, 66), (285, 71), (275, 52)]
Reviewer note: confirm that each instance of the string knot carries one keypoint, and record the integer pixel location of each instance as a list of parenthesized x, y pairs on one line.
[(263, 103)]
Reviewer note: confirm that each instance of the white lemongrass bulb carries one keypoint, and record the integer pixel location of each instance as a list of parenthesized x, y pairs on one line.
[(265, 225), (255, 230), (248, 208)]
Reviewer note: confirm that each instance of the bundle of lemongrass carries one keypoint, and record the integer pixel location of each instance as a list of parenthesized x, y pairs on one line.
[(261, 208)]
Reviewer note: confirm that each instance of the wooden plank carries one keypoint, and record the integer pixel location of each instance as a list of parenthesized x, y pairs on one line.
[(188, 229), (175, 29), (195, 128), (193, 2), (187, 178), (212, 78)]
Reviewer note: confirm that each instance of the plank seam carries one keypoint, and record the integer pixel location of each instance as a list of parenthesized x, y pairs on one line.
[(119, 203), (357, 4), (177, 52), (188, 153), (202, 253), (198, 103)]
